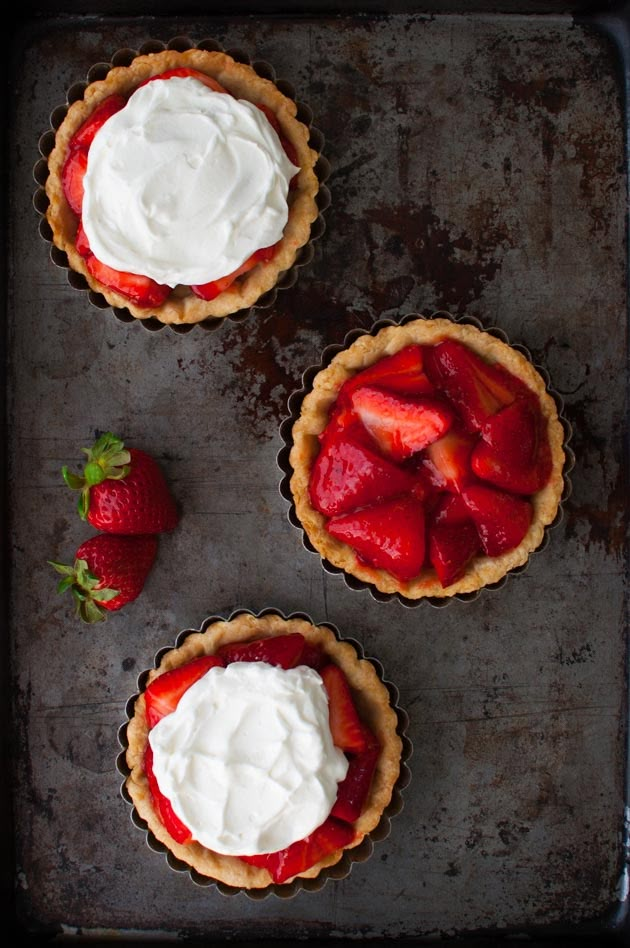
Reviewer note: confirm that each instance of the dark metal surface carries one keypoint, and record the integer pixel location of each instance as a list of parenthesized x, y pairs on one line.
[(477, 166)]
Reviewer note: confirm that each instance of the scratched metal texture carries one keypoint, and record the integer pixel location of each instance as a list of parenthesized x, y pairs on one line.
[(478, 167)]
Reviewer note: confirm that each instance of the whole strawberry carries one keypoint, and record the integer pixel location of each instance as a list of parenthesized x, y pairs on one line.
[(122, 490), (108, 572)]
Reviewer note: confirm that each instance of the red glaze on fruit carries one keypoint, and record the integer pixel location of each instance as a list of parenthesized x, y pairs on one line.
[(401, 425), (108, 572), (348, 731), (141, 290), (402, 372), (514, 452), (347, 474), (84, 137), (387, 536), (502, 520), (300, 856), (172, 823), (163, 694), (451, 548), (353, 790), (81, 242), (447, 461), (477, 389), (209, 291), (285, 651), (72, 175)]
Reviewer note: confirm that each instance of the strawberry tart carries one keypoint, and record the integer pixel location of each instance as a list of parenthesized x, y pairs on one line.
[(182, 185), (427, 459), (262, 750)]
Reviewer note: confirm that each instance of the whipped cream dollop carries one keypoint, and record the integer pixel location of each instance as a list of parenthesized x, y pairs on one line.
[(247, 759), (184, 184)]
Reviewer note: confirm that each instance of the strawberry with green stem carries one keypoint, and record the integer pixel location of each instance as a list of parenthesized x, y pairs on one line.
[(122, 490)]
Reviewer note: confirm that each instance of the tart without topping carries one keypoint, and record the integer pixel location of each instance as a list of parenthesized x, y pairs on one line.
[(352, 746), (427, 459), (181, 186)]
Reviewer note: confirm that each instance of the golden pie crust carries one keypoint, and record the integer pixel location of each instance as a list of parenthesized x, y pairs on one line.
[(314, 415), (373, 704), (182, 306)]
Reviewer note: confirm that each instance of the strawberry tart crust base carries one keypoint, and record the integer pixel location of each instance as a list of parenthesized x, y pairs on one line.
[(182, 306), (314, 416), (372, 701)]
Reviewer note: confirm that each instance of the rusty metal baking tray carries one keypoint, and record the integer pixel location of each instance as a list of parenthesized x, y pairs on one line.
[(478, 165)]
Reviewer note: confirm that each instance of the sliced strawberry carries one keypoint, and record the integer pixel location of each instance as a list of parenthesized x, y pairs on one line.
[(388, 536), (163, 694), (172, 823), (185, 72), (271, 118), (477, 389), (353, 790), (402, 372), (72, 175), (348, 731), (84, 137), (514, 452), (284, 651), (300, 856), (347, 474), (447, 461), (450, 511), (312, 656), (81, 242), (401, 425), (209, 291), (451, 548), (141, 290), (502, 520)]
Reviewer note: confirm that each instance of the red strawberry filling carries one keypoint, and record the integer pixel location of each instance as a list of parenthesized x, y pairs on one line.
[(140, 289), (348, 731), (430, 459)]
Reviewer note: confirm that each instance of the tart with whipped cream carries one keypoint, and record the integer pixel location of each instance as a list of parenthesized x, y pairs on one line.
[(262, 749), (182, 185), (427, 459)]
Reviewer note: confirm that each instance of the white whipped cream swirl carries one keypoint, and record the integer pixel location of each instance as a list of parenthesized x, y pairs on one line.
[(247, 759), (184, 184)]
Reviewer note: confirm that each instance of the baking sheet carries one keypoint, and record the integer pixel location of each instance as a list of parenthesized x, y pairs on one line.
[(478, 166)]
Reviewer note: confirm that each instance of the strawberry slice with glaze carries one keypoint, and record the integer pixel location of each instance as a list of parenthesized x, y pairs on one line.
[(331, 836), (447, 461), (476, 388), (348, 731), (348, 474), (402, 372), (353, 790), (514, 452), (165, 811), (285, 651), (387, 536), (141, 290), (84, 137), (162, 696), (502, 519), (452, 538), (72, 175), (212, 289), (401, 425)]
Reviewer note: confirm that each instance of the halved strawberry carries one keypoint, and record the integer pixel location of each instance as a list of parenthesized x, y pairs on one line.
[(163, 694), (81, 242), (451, 548), (388, 535), (401, 425), (84, 137), (312, 656), (477, 389), (449, 510), (402, 372), (502, 520), (348, 731), (347, 474), (141, 290), (72, 175), (447, 461), (514, 452), (172, 823), (353, 790), (300, 856), (185, 72), (212, 289), (285, 651)]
